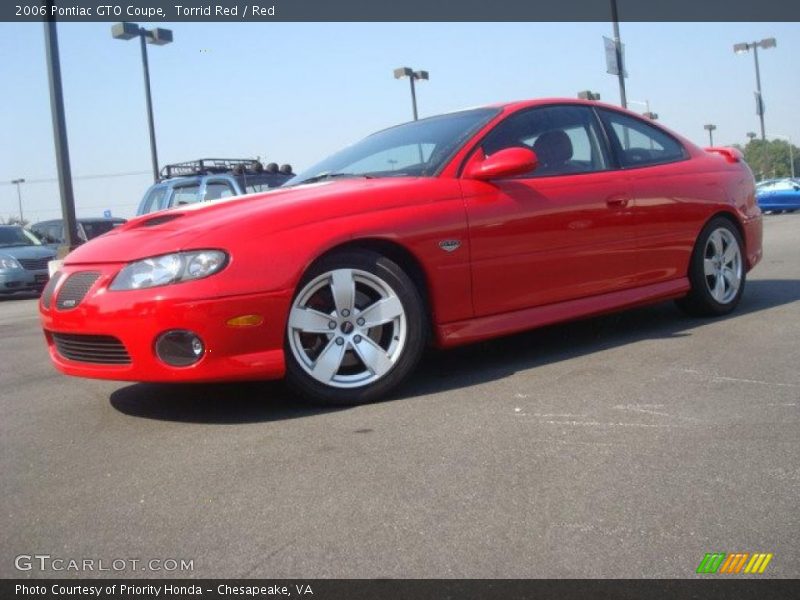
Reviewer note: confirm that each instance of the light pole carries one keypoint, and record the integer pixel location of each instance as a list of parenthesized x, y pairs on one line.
[(751, 135), (60, 136), (618, 55), (159, 37), (412, 75), (754, 46), (19, 196), (648, 113), (710, 127), (791, 152)]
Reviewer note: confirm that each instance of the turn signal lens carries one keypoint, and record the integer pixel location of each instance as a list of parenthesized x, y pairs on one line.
[(245, 321)]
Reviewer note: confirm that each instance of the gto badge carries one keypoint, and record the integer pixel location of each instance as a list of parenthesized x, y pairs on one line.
[(449, 245)]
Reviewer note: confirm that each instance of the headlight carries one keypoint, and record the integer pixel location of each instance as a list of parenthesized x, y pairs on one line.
[(169, 268), (7, 262)]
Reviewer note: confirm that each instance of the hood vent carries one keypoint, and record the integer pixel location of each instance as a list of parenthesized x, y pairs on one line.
[(159, 220)]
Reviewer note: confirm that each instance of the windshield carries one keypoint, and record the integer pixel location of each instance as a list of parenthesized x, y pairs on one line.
[(17, 236), (418, 148)]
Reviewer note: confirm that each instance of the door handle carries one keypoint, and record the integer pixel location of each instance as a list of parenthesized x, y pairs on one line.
[(617, 201)]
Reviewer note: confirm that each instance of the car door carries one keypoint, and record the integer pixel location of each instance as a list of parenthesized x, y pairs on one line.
[(784, 195), (561, 232), (669, 194)]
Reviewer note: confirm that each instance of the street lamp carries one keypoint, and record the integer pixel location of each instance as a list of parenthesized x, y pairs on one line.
[(710, 127), (754, 46), (751, 135), (19, 196), (648, 113), (159, 37), (618, 55), (782, 137), (412, 75)]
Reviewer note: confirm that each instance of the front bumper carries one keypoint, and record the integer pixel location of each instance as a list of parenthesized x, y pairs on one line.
[(22, 280), (137, 317)]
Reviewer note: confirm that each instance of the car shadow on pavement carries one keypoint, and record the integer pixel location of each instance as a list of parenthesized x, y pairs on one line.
[(216, 403), (442, 371)]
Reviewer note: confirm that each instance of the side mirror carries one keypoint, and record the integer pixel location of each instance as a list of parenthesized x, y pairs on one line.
[(509, 162)]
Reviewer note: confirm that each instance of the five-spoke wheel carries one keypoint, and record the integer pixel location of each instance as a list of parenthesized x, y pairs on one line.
[(354, 328), (722, 265), (716, 271)]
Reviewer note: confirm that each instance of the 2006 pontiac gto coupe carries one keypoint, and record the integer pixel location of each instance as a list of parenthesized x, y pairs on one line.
[(455, 228)]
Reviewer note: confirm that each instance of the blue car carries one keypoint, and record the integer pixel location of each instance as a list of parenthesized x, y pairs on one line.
[(779, 195), (23, 261)]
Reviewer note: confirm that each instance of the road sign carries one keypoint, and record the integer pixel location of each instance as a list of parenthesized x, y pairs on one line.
[(611, 57)]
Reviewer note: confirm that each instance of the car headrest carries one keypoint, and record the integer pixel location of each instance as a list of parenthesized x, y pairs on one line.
[(553, 147)]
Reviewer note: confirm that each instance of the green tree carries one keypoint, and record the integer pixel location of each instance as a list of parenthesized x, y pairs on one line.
[(770, 159)]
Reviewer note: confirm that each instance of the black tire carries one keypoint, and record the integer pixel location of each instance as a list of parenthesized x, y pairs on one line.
[(416, 331), (700, 302)]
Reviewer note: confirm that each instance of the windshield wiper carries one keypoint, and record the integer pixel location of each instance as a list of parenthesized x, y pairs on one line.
[(324, 176)]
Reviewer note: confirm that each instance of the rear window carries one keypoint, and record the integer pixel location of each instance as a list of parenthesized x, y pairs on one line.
[(185, 194)]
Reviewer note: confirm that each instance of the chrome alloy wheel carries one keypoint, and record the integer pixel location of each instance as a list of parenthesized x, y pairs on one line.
[(722, 265), (347, 328)]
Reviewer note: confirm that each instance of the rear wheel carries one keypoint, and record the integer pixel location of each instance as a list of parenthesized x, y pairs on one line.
[(355, 331), (716, 271)]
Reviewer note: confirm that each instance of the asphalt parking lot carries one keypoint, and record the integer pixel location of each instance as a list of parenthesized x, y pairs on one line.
[(623, 446)]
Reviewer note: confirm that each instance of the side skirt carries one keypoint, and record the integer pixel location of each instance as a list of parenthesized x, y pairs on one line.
[(481, 328)]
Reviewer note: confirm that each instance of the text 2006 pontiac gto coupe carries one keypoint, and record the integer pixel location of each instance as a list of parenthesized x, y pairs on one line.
[(453, 229)]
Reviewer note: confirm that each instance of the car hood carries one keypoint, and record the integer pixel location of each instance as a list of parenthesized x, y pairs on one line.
[(275, 210), (27, 251)]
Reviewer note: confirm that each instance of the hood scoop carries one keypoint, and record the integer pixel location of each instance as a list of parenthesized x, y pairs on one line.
[(159, 220)]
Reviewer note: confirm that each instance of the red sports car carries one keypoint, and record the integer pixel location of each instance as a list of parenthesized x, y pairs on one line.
[(450, 229)]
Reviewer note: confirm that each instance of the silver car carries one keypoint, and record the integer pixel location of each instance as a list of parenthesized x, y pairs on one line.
[(23, 261)]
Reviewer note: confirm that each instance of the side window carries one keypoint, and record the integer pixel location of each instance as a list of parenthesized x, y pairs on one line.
[(638, 143), (565, 139), (185, 194), (216, 190), (154, 200), (53, 233)]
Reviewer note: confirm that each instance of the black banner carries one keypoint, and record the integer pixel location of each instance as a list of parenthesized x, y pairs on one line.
[(394, 10), (386, 589)]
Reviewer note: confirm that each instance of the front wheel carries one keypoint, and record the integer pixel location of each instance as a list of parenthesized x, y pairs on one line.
[(716, 272), (355, 331)]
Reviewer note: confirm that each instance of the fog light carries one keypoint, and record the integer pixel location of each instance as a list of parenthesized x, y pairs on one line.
[(179, 348)]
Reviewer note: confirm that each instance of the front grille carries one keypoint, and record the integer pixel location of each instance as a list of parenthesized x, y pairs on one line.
[(34, 264), (98, 349), (75, 288), (47, 294)]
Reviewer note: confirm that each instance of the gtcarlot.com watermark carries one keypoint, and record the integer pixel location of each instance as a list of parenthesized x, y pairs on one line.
[(46, 562)]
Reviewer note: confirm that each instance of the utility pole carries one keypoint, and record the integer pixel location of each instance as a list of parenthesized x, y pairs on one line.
[(618, 52), (60, 136)]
